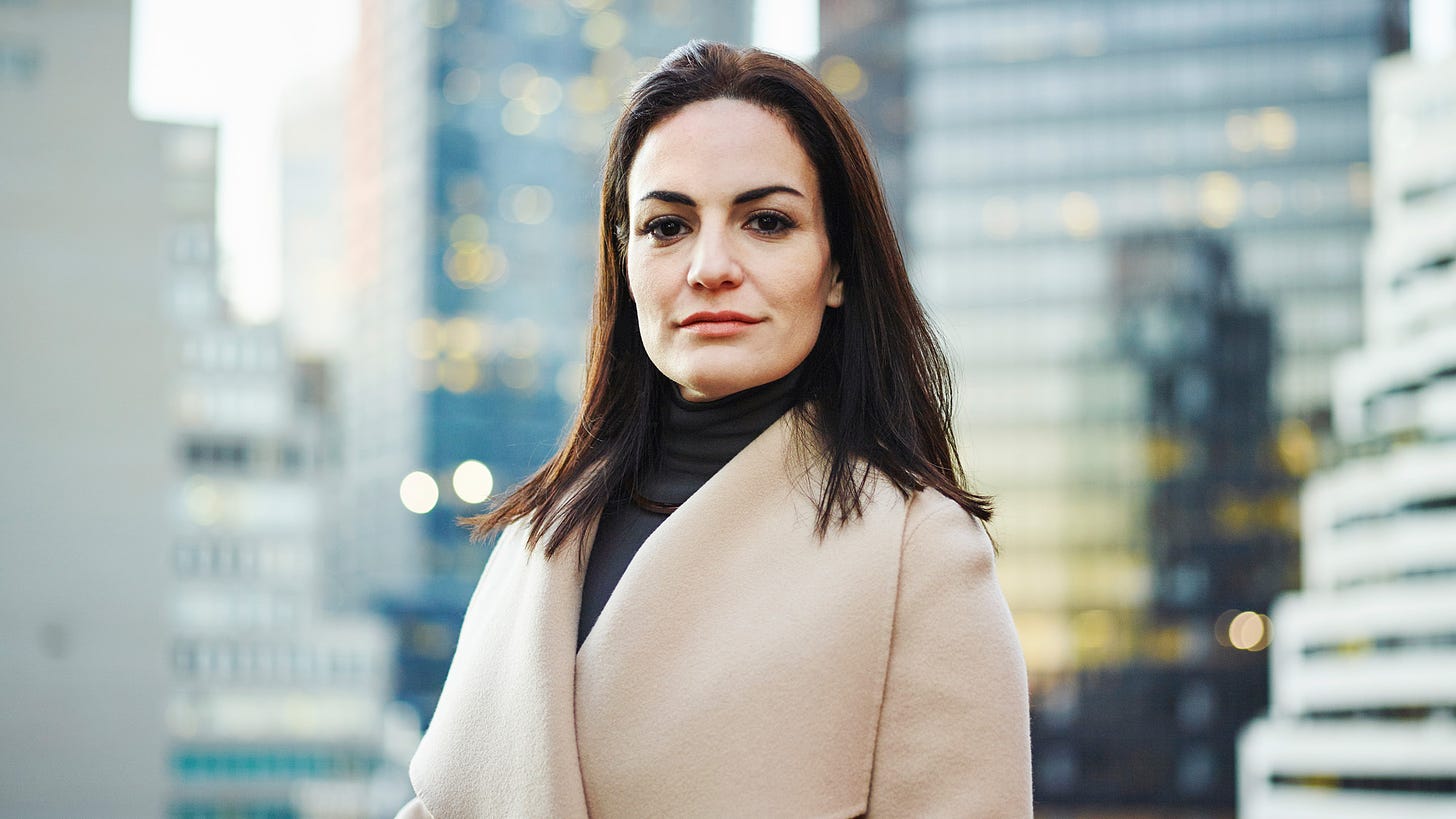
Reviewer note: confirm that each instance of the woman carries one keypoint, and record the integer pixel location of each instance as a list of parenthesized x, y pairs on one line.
[(750, 584)]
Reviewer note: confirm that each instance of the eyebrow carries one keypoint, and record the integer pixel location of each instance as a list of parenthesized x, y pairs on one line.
[(747, 196)]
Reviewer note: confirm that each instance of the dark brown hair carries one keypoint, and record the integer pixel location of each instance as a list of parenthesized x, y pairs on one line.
[(876, 380)]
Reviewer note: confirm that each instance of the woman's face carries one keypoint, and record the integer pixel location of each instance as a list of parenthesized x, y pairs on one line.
[(728, 258)]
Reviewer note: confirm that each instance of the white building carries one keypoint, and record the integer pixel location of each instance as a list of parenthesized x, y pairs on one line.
[(278, 704), (1363, 668), (85, 430)]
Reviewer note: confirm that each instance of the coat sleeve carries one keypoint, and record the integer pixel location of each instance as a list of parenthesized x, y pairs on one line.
[(954, 735)]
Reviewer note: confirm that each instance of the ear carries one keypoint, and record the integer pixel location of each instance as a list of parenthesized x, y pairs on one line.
[(836, 287)]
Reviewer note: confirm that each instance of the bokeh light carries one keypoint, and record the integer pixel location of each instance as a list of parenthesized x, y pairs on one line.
[(1242, 132), (844, 77), (541, 96), (1080, 215), (461, 86), (515, 78), (1220, 198), (472, 481), (469, 227), (588, 95), (603, 30), (203, 501), (418, 492), (1277, 131), (526, 204), (1249, 631), (458, 375), (520, 374), (518, 119)]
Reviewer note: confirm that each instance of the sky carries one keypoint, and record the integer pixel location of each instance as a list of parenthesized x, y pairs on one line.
[(227, 63)]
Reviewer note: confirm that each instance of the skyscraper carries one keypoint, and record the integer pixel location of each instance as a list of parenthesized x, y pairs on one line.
[(278, 702), (1046, 130), (1160, 729), (1363, 674), (479, 127), (1041, 135)]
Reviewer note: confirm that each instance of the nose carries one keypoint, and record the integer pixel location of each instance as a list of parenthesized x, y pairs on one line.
[(714, 264)]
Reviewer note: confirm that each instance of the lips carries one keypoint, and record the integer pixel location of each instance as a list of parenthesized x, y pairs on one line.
[(717, 325), (723, 317)]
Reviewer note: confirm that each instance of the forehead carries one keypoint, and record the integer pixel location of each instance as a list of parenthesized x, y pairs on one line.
[(720, 146)]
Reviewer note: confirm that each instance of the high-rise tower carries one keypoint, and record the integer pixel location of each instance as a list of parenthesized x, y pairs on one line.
[(478, 131), (1363, 674), (1043, 133), (1039, 136)]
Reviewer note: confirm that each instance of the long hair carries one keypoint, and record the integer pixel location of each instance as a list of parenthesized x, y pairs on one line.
[(876, 389)]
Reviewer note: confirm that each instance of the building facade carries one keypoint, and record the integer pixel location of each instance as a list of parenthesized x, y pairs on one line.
[(1363, 674), (478, 129), (85, 421), (863, 58), (279, 704), (279, 701), (1046, 140), (1046, 131)]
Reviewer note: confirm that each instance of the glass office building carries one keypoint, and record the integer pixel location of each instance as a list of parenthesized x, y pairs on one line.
[(522, 97), (1050, 148), (476, 173), (1043, 132)]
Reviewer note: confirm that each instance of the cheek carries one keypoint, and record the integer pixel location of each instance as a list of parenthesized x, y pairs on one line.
[(814, 288), (634, 278), (650, 272), (641, 288)]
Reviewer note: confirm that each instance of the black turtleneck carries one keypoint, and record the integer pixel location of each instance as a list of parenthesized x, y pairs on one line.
[(696, 440)]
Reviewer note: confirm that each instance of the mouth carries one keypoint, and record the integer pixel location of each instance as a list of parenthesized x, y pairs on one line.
[(723, 323)]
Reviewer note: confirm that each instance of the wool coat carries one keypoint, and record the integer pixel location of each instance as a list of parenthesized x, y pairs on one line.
[(742, 667)]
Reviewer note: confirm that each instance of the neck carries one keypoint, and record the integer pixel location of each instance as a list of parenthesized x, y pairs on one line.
[(698, 438)]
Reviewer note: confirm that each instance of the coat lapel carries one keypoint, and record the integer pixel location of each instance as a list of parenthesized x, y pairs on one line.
[(737, 669), (739, 665), (503, 739)]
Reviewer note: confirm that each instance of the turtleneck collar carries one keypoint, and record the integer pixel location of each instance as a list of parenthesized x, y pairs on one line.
[(698, 438)]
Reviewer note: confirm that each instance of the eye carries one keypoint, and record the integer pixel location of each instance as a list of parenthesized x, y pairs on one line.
[(665, 228), (769, 222)]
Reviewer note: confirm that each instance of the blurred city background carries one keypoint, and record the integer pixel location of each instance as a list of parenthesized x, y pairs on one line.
[(289, 287)]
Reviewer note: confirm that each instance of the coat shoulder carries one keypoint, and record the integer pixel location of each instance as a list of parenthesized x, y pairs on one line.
[(954, 735), (937, 523)]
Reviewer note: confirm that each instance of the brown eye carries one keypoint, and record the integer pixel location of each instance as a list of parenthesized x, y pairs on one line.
[(666, 227), (770, 223)]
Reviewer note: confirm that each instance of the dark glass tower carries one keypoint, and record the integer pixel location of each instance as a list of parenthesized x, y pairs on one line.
[(518, 101), (1161, 729)]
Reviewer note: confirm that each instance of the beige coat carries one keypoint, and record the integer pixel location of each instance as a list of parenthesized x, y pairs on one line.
[(742, 667)]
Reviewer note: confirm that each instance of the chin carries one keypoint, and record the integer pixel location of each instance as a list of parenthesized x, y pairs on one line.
[(700, 390), (722, 372), (714, 388)]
